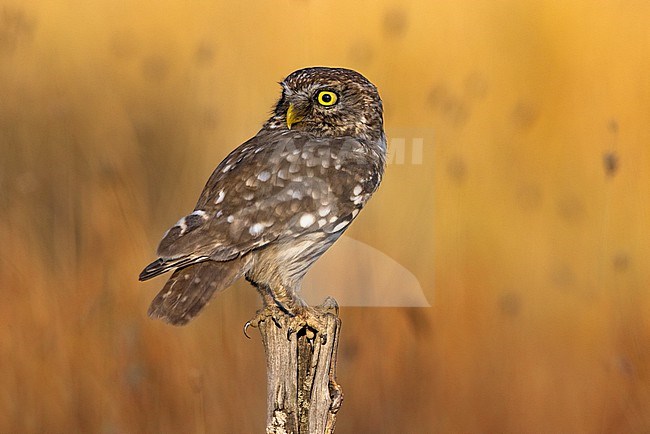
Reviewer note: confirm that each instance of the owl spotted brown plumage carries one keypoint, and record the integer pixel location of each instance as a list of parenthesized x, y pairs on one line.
[(280, 200)]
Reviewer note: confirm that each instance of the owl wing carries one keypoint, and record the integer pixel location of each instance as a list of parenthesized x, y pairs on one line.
[(274, 186)]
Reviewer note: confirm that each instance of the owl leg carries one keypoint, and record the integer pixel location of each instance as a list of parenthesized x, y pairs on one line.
[(265, 293), (287, 300)]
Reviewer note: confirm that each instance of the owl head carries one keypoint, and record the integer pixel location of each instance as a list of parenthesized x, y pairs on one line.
[(329, 102)]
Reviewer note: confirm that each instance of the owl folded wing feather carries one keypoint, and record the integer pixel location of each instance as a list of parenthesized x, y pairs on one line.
[(267, 196)]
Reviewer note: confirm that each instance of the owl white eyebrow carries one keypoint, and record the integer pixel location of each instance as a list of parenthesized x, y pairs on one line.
[(286, 87)]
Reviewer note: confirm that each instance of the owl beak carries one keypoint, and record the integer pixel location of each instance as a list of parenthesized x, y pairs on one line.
[(293, 116)]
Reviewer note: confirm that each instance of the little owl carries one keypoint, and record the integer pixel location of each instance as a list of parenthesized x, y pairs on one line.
[(280, 200)]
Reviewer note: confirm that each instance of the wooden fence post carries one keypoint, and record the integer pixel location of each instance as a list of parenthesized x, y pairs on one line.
[(303, 396)]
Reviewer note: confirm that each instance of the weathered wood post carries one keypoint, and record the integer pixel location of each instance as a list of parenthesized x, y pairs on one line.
[(303, 396)]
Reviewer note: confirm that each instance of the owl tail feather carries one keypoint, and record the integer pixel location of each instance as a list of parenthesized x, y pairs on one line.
[(160, 266), (190, 288)]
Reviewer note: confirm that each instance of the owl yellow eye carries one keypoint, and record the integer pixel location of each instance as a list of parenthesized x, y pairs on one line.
[(327, 98)]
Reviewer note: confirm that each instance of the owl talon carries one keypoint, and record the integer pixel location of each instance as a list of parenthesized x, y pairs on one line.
[(330, 305), (246, 326), (261, 316), (254, 322)]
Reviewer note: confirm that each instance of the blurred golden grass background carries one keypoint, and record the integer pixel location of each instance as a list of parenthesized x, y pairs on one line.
[(526, 223)]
